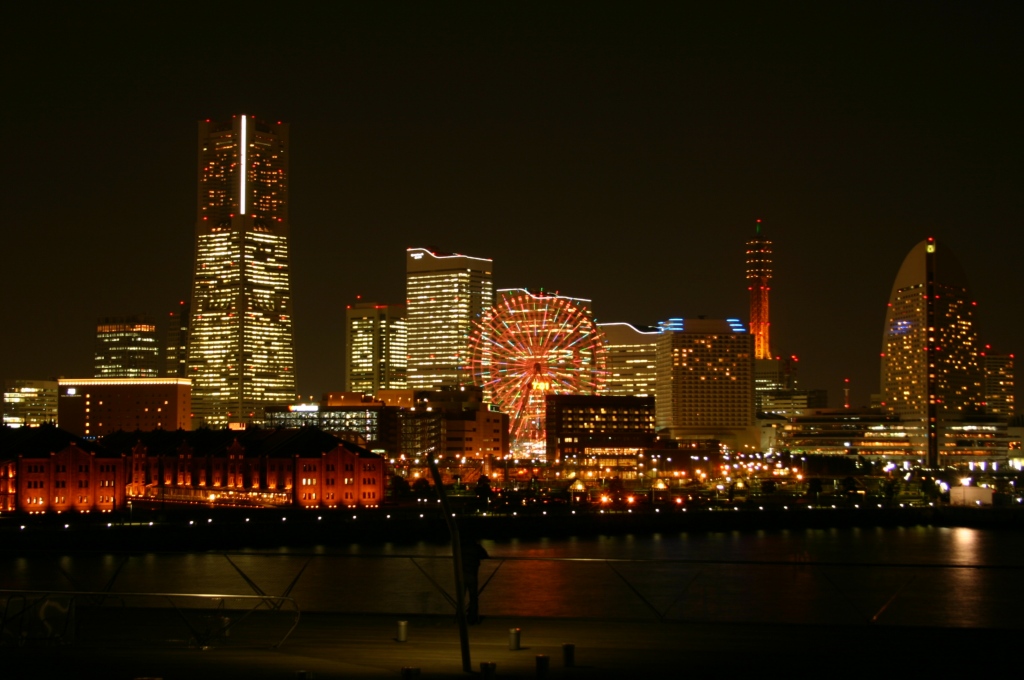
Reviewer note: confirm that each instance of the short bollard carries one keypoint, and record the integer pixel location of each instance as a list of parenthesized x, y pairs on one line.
[(569, 655), (488, 670), (410, 672), (542, 665), (513, 638), (403, 631)]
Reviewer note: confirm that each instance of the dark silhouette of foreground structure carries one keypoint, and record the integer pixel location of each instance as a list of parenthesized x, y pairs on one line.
[(359, 646), (472, 555)]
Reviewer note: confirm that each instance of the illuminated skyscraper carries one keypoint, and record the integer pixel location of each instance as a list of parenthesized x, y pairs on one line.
[(176, 342), (930, 366), (127, 347), (632, 359), (241, 354), (999, 382), (29, 403), (773, 378), (759, 274), (705, 384), (376, 347), (445, 293)]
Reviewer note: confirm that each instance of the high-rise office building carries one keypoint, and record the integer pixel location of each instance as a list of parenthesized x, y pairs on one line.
[(632, 353), (773, 377), (376, 351), (176, 342), (29, 403), (705, 385), (241, 355), (759, 274), (127, 347), (445, 294), (998, 383), (930, 367)]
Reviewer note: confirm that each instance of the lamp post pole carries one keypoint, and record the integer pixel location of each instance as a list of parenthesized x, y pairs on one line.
[(460, 583)]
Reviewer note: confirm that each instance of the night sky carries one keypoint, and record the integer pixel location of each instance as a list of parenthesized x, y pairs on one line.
[(605, 151)]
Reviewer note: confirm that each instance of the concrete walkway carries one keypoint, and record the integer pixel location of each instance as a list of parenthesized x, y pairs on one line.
[(354, 646)]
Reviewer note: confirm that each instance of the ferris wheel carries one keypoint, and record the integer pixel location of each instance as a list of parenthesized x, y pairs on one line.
[(531, 344)]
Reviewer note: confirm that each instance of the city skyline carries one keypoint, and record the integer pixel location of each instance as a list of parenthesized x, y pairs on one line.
[(617, 155)]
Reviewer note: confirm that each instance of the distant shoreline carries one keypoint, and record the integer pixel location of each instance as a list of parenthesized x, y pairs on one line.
[(192, 528)]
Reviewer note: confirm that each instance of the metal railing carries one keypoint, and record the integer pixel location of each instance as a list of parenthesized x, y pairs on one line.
[(40, 617), (793, 591)]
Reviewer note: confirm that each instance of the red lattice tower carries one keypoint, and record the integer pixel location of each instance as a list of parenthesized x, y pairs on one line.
[(759, 273)]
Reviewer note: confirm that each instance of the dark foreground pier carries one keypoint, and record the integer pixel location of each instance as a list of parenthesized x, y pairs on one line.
[(328, 646), (622, 617)]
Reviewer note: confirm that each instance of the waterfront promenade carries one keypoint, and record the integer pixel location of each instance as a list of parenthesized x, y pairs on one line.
[(359, 646)]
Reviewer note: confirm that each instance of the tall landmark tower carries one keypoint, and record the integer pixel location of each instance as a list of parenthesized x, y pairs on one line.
[(445, 294), (774, 378), (931, 372), (759, 273), (241, 355)]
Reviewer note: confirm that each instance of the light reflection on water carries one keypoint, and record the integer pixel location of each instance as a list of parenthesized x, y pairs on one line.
[(899, 576)]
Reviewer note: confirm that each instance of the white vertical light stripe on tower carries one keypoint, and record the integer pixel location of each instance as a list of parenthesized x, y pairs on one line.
[(241, 173)]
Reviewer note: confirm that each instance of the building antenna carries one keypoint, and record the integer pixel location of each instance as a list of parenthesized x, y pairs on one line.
[(846, 393)]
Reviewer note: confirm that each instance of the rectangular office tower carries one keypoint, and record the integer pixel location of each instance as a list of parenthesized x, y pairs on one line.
[(376, 353), (176, 342), (632, 359), (705, 384), (29, 403), (445, 294), (998, 384), (127, 347), (241, 353)]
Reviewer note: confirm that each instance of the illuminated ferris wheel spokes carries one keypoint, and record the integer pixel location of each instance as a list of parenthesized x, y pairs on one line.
[(530, 345)]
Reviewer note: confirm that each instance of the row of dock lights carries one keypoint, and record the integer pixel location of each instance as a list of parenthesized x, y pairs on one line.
[(544, 512)]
